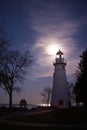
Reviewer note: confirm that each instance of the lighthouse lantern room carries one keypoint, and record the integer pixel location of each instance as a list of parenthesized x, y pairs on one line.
[(60, 97)]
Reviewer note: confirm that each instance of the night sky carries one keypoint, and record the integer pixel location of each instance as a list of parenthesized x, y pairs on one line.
[(39, 26)]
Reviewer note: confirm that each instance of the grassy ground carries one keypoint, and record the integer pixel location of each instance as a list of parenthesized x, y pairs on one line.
[(14, 127), (63, 116)]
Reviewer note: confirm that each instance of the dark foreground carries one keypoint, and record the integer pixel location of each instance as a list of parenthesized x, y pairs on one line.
[(65, 119), (18, 127)]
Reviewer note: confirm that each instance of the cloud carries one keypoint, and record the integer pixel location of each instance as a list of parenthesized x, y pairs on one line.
[(55, 26)]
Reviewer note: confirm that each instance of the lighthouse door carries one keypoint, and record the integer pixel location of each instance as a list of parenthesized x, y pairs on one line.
[(60, 103)]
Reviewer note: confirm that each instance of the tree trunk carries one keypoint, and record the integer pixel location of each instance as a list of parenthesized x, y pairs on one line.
[(10, 99), (10, 94)]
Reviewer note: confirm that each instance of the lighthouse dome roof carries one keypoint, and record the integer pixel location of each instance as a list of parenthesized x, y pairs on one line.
[(59, 53)]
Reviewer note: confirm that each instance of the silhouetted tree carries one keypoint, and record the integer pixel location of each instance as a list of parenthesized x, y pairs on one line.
[(80, 88), (12, 67), (23, 103), (46, 93)]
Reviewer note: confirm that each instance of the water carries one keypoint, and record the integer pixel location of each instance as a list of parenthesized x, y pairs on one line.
[(29, 106)]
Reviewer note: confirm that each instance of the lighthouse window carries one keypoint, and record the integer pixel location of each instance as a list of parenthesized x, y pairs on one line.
[(62, 56), (57, 56), (60, 102)]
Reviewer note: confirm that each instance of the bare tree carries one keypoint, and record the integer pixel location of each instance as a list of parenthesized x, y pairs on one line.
[(12, 69), (46, 93), (71, 93), (13, 66)]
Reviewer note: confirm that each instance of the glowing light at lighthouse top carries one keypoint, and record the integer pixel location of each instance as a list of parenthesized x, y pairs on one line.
[(59, 58)]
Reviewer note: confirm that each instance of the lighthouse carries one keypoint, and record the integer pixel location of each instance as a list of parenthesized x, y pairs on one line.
[(60, 97)]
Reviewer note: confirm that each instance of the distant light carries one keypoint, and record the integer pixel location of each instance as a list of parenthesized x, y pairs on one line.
[(42, 104)]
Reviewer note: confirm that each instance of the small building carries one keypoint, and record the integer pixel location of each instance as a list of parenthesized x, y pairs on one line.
[(60, 95)]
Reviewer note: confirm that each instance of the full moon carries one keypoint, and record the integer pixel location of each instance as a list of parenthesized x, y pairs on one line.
[(52, 49)]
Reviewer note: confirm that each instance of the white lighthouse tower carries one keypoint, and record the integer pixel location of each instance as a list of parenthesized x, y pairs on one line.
[(60, 97)]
